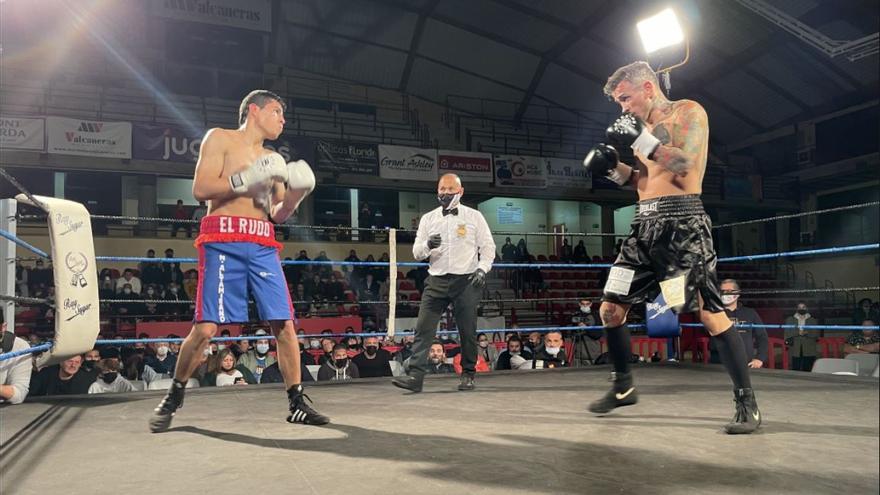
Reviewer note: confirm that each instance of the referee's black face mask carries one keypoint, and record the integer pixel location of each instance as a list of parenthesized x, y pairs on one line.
[(449, 200)]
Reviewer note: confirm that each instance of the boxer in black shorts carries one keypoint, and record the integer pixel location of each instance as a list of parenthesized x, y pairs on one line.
[(669, 250)]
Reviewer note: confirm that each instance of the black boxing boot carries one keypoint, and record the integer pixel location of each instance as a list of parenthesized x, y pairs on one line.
[(622, 393), (747, 418), (300, 412), (161, 419)]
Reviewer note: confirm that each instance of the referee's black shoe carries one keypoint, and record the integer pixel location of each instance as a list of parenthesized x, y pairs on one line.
[(622, 393), (409, 382), (467, 382)]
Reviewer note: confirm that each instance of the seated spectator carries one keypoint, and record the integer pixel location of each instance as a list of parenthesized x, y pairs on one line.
[(802, 344), (91, 359), (515, 356), (190, 284), (163, 362), (67, 378), (437, 360), (354, 344), (272, 374), (151, 271), (552, 353), (133, 282), (258, 358), (181, 215), (15, 373), (486, 350), (199, 212), (405, 351), (352, 257), (565, 253), (327, 346), (754, 338), (339, 367), (132, 307), (240, 347), (174, 345), (109, 379), (133, 367), (534, 342), (225, 372), (481, 367), (373, 361), (865, 311), (865, 341)]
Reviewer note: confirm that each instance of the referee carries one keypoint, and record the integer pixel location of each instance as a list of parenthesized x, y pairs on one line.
[(459, 247)]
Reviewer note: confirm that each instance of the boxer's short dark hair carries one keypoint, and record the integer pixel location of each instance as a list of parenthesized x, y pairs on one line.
[(258, 97)]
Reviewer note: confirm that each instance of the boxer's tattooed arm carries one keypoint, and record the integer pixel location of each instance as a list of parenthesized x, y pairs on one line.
[(680, 152)]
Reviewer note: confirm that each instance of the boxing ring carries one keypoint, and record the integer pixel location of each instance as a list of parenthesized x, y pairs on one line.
[(519, 432)]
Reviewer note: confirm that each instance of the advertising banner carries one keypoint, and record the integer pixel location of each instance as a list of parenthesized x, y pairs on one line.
[(567, 173), (347, 158), (22, 133), (253, 14), (520, 171), (471, 167), (88, 137), (407, 163)]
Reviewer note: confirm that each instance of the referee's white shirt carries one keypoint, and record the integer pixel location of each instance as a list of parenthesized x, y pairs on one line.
[(465, 236)]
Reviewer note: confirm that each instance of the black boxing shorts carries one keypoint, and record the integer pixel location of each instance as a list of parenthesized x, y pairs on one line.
[(668, 251)]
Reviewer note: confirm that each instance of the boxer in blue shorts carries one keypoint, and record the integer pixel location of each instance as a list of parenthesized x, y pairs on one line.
[(247, 188)]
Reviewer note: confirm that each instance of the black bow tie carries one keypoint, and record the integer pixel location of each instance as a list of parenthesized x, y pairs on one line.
[(453, 211)]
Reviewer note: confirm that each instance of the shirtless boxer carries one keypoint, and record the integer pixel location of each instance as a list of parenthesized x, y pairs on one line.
[(247, 188), (669, 250)]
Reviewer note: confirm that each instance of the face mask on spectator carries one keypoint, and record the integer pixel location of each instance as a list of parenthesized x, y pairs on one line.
[(552, 350), (208, 351), (315, 344), (728, 299), (585, 309), (150, 292), (220, 347), (801, 311), (88, 365), (371, 349), (262, 348), (340, 363), (126, 291), (162, 351), (109, 377)]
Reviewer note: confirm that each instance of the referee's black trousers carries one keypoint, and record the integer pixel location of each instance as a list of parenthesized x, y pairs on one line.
[(465, 298)]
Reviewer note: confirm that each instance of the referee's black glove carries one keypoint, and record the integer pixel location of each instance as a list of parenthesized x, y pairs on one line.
[(434, 241), (478, 278)]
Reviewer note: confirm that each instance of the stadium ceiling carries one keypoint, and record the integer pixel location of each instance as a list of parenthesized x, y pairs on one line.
[(750, 71)]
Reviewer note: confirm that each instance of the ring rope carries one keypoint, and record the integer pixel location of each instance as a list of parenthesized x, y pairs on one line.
[(372, 229), (798, 215)]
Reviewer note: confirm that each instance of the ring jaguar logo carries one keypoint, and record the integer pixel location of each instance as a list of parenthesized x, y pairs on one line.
[(221, 312), (74, 305), (77, 263)]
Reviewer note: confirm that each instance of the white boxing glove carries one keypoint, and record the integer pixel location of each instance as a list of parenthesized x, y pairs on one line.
[(300, 177), (266, 168)]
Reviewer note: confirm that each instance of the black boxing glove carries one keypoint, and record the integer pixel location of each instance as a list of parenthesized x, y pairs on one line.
[(602, 161), (632, 131)]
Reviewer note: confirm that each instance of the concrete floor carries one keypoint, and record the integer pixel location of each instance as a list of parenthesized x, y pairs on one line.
[(526, 432)]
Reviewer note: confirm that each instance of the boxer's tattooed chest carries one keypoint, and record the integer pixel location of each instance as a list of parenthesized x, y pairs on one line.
[(662, 134)]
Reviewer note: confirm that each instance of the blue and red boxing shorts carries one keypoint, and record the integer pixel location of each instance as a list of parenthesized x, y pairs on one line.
[(238, 255)]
